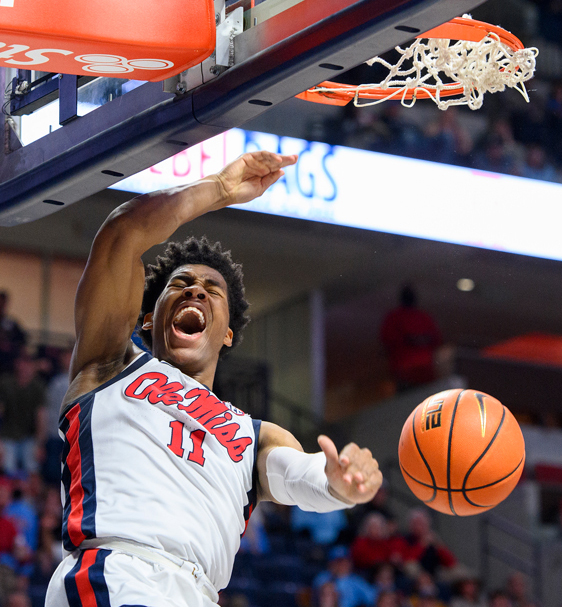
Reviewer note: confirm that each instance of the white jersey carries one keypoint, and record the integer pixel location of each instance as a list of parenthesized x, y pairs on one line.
[(155, 457)]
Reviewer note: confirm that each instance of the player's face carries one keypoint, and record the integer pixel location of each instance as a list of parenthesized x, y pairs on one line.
[(190, 320)]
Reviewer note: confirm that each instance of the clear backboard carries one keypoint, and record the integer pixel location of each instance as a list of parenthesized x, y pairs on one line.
[(266, 52)]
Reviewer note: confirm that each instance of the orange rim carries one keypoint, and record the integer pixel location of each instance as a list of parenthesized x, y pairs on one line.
[(458, 28), (344, 93), (471, 30)]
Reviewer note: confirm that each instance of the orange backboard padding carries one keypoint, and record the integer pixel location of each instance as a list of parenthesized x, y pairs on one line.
[(135, 39), (533, 347)]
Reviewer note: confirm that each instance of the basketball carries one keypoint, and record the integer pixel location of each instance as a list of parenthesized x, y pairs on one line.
[(461, 452)]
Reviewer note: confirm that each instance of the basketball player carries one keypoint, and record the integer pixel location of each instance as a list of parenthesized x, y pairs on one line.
[(159, 476)]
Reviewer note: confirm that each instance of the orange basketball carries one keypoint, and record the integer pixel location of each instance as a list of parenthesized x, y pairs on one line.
[(461, 452)]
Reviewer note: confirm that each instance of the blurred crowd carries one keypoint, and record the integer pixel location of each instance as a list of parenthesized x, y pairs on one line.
[(506, 136), (32, 384), (356, 558), (288, 558)]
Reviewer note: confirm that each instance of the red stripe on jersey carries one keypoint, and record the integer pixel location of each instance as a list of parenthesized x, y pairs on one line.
[(85, 590), (250, 510), (74, 464)]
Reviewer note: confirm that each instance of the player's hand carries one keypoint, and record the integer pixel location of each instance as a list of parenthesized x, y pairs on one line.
[(250, 175), (353, 474)]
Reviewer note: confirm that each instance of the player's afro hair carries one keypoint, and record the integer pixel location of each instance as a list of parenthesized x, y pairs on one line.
[(196, 251)]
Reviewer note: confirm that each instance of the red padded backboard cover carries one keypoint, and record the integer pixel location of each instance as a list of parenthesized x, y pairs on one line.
[(136, 39)]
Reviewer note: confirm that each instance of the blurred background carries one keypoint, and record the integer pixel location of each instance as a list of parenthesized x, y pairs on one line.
[(351, 329)]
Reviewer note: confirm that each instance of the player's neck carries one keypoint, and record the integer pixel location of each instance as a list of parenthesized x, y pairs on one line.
[(204, 374)]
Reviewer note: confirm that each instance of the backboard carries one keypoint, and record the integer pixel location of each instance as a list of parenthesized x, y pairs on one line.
[(266, 52)]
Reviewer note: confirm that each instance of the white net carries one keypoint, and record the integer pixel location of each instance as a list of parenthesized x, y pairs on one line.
[(451, 72)]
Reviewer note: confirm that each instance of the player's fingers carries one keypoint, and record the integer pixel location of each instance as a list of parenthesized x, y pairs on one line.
[(275, 160), (329, 448), (334, 465), (348, 460), (375, 482), (269, 179), (362, 465), (265, 162), (372, 481), (289, 160)]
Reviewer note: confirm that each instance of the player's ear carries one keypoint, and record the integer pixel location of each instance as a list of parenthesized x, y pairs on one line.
[(228, 338), (147, 322)]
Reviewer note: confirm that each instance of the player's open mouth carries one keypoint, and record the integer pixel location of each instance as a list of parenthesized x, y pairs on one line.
[(189, 321)]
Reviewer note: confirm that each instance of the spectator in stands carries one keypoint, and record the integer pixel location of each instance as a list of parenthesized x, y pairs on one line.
[(22, 511), (501, 128), (388, 598), (13, 550), (370, 133), (52, 445), (426, 592), (44, 565), (370, 549), (517, 590), (327, 595), (425, 551), (50, 525), (12, 336), (493, 155), (411, 338), (47, 362), (374, 547), (447, 140), (323, 528), (8, 531), (406, 138), (426, 601), (22, 399), (357, 515), (498, 598), (529, 123), (385, 579), (536, 165), (353, 590), (18, 599), (467, 593)]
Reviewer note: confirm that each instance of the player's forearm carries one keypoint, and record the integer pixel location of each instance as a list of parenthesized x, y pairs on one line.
[(298, 479), (152, 218)]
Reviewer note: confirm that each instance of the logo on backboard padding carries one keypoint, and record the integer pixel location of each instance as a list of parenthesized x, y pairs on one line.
[(115, 64)]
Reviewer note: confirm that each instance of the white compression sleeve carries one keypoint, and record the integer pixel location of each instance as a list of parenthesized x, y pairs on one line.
[(298, 479)]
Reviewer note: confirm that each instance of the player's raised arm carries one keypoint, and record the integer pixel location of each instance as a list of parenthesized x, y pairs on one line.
[(319, 482), (110, 293)]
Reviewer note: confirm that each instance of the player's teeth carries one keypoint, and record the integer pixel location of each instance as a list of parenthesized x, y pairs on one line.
[(184, 311)]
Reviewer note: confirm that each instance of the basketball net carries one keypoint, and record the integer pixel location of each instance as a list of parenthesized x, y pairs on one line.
[(447, 71)]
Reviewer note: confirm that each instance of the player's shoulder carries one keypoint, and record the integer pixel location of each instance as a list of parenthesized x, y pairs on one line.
[(97, 374)]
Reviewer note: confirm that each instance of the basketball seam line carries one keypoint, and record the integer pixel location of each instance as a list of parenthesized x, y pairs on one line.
[(481, 456), (449, 448), (461, 490), (424, 461)]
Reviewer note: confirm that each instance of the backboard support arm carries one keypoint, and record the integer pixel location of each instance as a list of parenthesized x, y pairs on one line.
[(274, 61)]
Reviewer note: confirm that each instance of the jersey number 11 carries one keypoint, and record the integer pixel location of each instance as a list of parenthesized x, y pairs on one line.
[(176, 443)]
